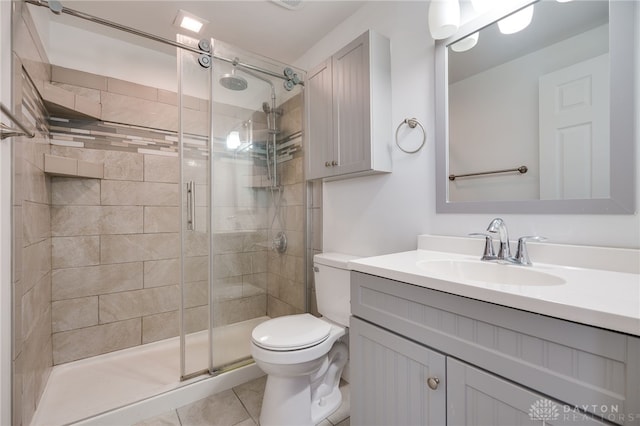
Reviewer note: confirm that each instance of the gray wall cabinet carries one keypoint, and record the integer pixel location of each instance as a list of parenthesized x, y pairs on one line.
[(495, 365), (348, 111)]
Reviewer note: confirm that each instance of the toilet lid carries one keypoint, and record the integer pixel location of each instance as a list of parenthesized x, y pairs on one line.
[(291, 332)]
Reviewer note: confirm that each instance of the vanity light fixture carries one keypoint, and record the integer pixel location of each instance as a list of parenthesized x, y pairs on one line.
[(189, 21), (466, 43), (516, 22), (444, 18)]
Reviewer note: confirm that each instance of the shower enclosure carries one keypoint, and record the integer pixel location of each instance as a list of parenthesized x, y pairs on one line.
[(150, 274)]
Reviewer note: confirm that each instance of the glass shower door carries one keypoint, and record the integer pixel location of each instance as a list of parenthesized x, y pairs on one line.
[(195, 156), (240, 142)]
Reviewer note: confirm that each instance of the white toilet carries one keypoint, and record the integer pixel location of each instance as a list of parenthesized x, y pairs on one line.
[(300, 353)]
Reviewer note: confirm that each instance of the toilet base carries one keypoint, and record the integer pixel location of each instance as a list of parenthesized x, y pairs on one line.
[(323, 408), (286, 402)]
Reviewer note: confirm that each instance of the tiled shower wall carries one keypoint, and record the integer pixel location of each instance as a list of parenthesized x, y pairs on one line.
[(31, 237), (116, 240), (286, 271)]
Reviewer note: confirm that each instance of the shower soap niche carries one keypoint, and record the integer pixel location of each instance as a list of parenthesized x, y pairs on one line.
[(62, 166)]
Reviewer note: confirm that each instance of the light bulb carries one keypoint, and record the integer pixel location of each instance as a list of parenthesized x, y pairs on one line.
[(444, 18), (516, 22)]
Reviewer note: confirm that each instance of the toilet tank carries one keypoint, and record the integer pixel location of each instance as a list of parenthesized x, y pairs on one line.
[(333, 286)]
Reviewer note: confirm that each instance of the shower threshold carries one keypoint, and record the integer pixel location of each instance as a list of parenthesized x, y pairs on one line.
[(85, 388)]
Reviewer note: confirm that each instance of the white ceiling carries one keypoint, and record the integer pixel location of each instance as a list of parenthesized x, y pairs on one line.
[(258, 26)]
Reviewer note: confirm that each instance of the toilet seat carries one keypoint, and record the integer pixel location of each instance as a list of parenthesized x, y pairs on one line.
[(291, 333)]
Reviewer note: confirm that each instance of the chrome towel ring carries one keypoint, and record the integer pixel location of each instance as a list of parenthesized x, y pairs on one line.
[(412, 123)]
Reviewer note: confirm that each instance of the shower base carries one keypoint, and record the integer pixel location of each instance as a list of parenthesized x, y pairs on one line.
[(143, 380)]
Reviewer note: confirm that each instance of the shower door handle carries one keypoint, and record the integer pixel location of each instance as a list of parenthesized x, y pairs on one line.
[(191, 206)]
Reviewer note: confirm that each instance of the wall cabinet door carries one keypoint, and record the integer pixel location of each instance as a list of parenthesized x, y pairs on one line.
[(476, 397), (348, 111), (351, 130), (319, 137), (389, 379)]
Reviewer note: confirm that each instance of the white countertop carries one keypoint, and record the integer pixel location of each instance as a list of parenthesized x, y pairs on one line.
[(602, 298)]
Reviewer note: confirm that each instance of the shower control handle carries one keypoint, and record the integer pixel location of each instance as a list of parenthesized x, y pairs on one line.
[(191, 205), (433, 382)]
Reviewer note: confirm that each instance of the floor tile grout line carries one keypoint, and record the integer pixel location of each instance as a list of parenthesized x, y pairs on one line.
[(244, 406)]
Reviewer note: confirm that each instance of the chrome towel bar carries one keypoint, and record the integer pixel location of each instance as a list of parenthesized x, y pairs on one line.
[(521, 169), (7, 132)]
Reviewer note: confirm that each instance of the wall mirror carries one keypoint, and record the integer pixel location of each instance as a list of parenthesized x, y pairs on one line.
[(556, 97)]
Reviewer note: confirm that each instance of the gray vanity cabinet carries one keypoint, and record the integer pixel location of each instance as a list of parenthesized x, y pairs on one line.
[(348, 111), (494, 365)]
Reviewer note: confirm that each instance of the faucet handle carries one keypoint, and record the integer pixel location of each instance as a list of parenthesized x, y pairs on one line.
[(522, 255), (489, 253)]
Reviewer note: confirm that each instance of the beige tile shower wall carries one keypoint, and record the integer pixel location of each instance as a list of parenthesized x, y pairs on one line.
[(314, 244), (286, 274), (240, 234), (106, 239), (116, 241), (121, 101), (31, 236)]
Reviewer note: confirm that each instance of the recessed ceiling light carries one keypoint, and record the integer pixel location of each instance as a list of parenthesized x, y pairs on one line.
[(189, 21)]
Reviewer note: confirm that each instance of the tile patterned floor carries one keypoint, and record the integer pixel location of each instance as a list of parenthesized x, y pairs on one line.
[(239, 406)]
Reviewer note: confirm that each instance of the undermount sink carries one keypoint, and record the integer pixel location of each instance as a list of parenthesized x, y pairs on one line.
[(487, 272)]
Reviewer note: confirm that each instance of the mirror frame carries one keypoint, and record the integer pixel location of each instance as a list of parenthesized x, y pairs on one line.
[(622, 133)]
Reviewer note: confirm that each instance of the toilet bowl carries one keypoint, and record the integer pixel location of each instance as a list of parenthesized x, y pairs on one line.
[(302, 355)]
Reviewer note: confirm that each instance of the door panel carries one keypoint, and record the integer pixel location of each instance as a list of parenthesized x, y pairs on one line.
[(574, 131), (194, 142)]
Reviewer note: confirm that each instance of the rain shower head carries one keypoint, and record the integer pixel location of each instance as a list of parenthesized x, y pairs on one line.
[(232, 81)]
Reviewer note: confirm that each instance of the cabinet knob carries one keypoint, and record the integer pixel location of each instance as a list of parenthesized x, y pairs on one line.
[(327, 164), (334, 163), (433, 382)]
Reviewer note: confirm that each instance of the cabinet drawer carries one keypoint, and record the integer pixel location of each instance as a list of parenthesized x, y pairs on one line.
[(593, 369)]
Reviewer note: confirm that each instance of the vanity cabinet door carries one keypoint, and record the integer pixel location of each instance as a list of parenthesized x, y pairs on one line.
[(476, 397), (390, 379)]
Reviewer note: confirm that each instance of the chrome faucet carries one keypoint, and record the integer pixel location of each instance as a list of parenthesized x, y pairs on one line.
[(498, 226), (504, 251)]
